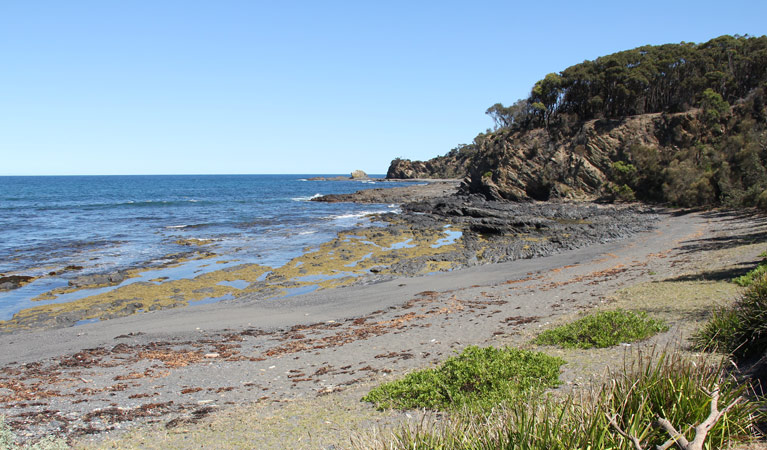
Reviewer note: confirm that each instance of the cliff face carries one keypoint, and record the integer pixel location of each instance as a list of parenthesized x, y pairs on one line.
[(686, 159), (535, 165)]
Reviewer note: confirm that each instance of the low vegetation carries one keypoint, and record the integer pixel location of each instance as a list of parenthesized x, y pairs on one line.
[(657, 400), (477, 378), (740, 329), (603, 329), (8, 441), (757, 272), (656, 389)]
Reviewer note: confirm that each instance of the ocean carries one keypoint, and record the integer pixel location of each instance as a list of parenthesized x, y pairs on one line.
[(107, 223)]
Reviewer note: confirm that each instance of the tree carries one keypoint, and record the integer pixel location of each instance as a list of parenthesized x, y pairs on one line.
[(547, 95)]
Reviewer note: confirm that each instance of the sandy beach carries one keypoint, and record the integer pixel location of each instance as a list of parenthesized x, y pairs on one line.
[(175, 367)]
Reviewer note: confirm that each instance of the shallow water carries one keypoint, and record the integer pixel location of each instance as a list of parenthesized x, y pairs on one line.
[(109, 223)]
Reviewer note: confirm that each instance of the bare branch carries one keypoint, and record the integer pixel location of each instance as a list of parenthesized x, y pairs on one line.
[(614, 423), (702, 430), (676, 437)]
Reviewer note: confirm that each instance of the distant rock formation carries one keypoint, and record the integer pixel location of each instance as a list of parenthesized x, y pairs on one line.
[(359, 175), (454, 165)]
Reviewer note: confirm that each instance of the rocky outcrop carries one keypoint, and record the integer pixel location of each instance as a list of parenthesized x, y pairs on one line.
[(404, 194), (454, 165), (539, 165), (359, 175)]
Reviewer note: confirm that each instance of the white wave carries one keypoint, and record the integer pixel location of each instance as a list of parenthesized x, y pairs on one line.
[(302, 233), (177, 226), (305, 199), (357, 215)]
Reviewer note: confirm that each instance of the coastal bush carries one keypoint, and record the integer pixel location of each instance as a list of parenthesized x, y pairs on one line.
[(8, 440), (477, 378), (741, 329), (603, 329), (650, 387)]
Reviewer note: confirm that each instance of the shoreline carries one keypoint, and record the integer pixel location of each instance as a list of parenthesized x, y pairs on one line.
[(173, 364), (433, 233)]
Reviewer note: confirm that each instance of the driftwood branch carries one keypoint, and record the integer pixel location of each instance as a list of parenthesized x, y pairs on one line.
[(676, 437), (701, 430)]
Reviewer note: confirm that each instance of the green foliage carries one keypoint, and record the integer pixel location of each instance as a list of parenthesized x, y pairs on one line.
[(761, 200), (8, 440), (603, 329), (620, 193), (671, 77), (754, 274), (714, 106), (740, 330), (687, 184), (478, 378), (648, 79), (624, 172), (667, 386)]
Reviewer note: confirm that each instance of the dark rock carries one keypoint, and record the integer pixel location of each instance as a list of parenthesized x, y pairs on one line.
[(103, 279), (14, 282), (394, 195)]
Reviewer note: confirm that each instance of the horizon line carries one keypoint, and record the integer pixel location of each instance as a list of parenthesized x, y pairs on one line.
[(178, 174)]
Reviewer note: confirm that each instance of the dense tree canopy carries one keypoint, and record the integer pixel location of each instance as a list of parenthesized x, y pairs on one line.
[(649, 79)]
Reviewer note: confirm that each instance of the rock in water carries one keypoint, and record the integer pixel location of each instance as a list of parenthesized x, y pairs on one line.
[(359, 175)]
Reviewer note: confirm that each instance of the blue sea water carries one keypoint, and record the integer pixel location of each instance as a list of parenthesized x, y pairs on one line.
[(105, 223)]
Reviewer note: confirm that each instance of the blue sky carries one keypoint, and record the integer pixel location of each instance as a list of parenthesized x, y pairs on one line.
[(175, 87)]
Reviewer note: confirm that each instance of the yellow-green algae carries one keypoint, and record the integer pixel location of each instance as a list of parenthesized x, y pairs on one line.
[(128, 274), (333, 264)]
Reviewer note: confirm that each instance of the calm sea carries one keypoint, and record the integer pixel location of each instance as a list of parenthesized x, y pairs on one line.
[(104, 223)]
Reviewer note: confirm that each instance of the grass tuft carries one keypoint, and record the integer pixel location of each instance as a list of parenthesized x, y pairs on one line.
[(666, 385), (478, 378), (603, 329), (741, 329)]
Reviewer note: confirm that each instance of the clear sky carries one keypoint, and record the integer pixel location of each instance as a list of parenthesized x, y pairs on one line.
[(176, 87)]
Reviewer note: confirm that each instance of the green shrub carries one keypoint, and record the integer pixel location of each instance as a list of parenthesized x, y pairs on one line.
[(740, 330), (667, 386), (757, 272), (478, 378), (603, 329), (620, 193)]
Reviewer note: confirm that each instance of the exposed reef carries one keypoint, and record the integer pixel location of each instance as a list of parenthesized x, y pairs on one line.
[(404, 194), (432, 235)]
